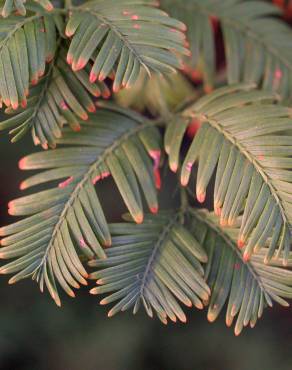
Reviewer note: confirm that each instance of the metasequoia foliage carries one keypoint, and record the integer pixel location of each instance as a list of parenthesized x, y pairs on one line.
[(58, 62)]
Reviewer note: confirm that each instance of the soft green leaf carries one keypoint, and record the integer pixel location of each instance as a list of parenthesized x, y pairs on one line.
[(60, 97), (124, 36), (155, 264), (158, 95), (19, 6), (245, 139), (258, 44), (26, 44), (246, 287), (67, 219)]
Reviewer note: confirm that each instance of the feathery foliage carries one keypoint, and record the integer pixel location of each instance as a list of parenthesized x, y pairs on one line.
[(26, 45), (258, 45), (57, 59), (247, 288), (157, 264), (69, 215), (60, 97), (125, 36), (244, 138), (19, 7)]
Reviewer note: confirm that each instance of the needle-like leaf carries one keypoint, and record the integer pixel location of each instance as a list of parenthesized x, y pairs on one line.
[(245, 138), (246, 287), (68, 219), (156, 264), (124, 36)]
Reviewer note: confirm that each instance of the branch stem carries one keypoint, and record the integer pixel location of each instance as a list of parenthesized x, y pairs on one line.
[(68, 4)]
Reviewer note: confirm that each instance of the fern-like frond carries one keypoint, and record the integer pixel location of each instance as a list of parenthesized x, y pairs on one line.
[(60, 97), (156, 264), (246, 287), (257, 44), (67, 218), (157, 95), (125, 36), (26, 44), (19, 7), (246, 140)]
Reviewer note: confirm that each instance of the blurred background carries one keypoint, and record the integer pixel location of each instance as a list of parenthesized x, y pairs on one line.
[(36, 335)]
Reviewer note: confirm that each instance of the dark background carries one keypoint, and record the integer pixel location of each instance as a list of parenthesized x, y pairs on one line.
[(36, 335)]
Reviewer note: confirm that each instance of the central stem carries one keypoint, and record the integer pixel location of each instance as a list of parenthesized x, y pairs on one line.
[(68, 4)]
